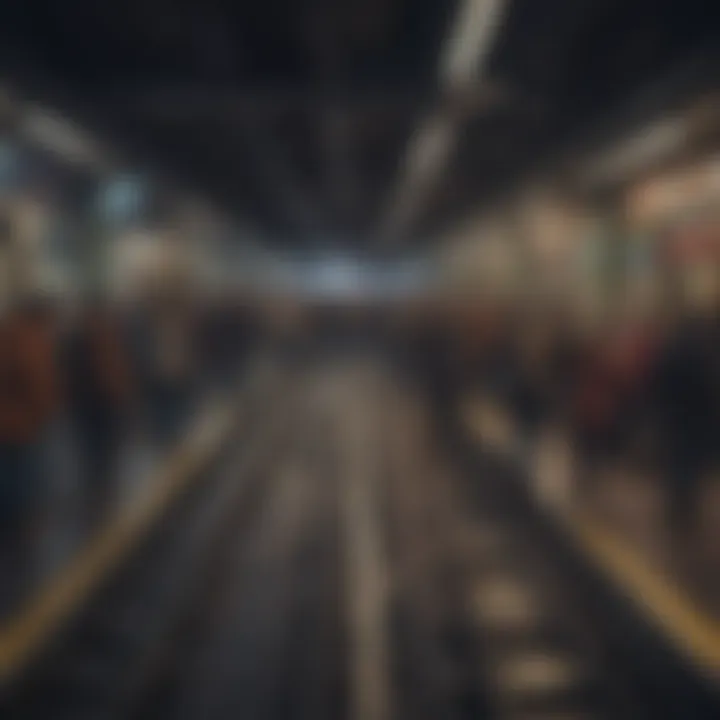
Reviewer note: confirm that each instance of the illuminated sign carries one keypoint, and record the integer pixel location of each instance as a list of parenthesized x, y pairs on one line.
[(669, 195)]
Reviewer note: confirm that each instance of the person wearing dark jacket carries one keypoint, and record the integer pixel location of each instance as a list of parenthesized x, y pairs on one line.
[(98, 393), (166, 356), (685, 388)]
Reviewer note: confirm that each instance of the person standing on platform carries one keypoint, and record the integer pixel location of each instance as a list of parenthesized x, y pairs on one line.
[(98, 387), (434, 359), (28, 401), (166, 354), (686, 390)]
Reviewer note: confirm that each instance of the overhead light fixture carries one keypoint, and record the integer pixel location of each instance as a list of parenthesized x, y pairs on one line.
[(651, 145), (430, 146), (60, 137), (465, 51), (470, 41), (424, 160)]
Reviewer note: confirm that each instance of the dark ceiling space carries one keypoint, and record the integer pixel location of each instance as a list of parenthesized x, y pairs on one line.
[(295, 115)]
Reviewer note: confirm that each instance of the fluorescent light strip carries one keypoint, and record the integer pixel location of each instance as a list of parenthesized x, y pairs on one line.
[(60, 137), (474, 30), (643, 149), (470, 41)]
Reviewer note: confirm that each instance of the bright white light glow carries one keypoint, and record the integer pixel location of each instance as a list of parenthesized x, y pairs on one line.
[(471, 40), (465, 52)]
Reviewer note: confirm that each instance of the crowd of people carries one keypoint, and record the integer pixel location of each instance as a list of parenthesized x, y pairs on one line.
[(644, 393), (639, 391), (102, 374)]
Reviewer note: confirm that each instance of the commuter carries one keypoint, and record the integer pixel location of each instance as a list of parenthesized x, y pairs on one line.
[(99, 394), (687, 398), (593, 408), (631, 358), (563, 365), (166, 352), (432, 358), (28, 400), (531, 389)]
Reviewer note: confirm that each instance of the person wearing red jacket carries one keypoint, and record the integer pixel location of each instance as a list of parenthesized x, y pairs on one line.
[(29, 396)]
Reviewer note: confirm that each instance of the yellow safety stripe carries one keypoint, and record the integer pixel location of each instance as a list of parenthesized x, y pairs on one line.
[(671, 609), (25, 634), (691, 630)]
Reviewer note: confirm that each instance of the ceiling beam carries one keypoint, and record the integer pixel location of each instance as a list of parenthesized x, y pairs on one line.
[(276, 173), (187, 101)]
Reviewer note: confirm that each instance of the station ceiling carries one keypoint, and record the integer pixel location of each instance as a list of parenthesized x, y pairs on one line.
[(298, 116)]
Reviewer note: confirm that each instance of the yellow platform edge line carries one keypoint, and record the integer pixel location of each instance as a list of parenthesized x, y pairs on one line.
[(23, 635), (693, 631)]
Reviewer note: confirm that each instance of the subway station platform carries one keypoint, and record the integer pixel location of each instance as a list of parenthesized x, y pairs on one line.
[(620, 525), (313, 550), (358, 210)]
